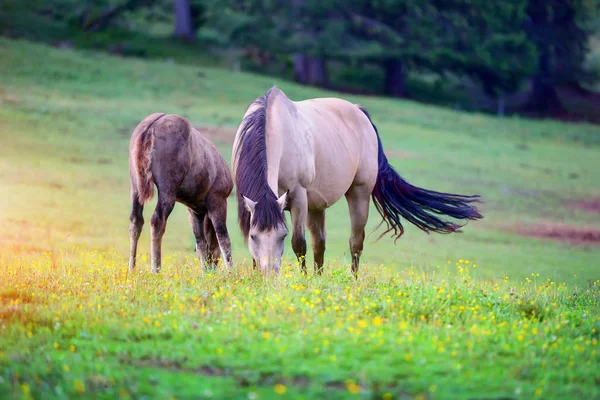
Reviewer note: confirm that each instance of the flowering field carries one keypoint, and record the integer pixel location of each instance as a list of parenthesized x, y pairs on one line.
[(80, 324), (516, 318)]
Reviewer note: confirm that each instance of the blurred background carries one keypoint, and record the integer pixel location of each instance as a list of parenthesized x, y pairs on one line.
[(538, 58)]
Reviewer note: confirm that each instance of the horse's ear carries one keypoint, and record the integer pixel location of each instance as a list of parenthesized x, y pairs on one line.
[(250, 205), (282, 201)]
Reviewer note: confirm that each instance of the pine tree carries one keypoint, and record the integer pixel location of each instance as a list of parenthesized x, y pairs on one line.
[(558, 29)]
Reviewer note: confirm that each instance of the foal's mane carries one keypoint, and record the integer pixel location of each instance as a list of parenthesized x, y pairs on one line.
[(251, 172)]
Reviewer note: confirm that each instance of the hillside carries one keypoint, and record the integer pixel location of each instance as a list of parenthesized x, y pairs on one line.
[(67, 116), (507, 309)]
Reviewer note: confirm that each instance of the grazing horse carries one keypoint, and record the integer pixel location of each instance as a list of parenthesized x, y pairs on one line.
[(166, 151), (303, 157)]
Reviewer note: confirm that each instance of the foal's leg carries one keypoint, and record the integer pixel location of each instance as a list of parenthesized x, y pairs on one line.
[(316, 226), (217, 212), (299, 211), (197, 223), (214, 251), (358, 198), (136, 222), (165, 205)]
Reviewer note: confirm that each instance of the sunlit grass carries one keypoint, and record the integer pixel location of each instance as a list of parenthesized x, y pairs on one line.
[(80, 323)]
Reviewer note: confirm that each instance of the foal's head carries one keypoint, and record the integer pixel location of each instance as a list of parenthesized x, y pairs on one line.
[(267, 231)]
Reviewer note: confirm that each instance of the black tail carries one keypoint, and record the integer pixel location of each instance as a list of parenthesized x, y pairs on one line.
[(395, 198)]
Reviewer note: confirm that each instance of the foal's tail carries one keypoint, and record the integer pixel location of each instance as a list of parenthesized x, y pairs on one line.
[(395, 198), (141, 157)]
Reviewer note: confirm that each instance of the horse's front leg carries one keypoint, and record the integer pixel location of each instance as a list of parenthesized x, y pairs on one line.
[(299, 212)]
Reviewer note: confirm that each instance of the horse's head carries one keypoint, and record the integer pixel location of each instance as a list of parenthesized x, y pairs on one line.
[(267, 232)]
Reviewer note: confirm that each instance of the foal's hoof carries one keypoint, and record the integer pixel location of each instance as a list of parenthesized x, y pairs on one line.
[(210, 268)]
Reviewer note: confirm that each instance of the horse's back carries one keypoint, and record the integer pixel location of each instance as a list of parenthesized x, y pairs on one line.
[(341, 144), (210, 165), (184, 160)]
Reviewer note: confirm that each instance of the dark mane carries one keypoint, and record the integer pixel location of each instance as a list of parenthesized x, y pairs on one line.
[(251, 172)]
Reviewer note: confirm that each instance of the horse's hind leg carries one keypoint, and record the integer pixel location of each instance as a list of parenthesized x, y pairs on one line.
[(197, 222), (165, 205), (358, 198), (316, 226), (214, 251), (217, 212), (136, 222)]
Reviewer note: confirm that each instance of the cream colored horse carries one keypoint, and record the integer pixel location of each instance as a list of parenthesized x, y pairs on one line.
[(304, 156)]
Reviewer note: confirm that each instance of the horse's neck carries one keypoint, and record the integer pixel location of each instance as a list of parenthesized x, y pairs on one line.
[(274, 153), (280, 120)]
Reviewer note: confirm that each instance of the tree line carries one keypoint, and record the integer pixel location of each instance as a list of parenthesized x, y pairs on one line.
[(501, 46), (498, 44)]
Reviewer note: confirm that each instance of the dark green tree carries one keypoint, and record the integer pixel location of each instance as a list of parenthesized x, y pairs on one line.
[(401, 33), (98, 15), (560, 31), (292, 29), (478, 38)]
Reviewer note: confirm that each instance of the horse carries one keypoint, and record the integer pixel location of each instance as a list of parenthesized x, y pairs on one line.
[(303, 156), (166, 151)]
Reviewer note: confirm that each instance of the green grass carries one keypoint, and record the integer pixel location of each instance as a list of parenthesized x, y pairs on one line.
[(77, 323), (65, 121)]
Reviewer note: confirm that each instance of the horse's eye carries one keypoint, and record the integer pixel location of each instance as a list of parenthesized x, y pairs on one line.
[(253, 237)]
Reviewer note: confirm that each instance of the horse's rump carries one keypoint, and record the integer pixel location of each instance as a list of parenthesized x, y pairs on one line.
[(141, 156)]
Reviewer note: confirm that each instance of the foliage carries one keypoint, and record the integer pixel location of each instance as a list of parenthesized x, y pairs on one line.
[(560, 30), (483, 40), (99, 15), (480, 39)]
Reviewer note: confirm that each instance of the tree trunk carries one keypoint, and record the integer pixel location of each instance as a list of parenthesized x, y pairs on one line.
[(543, 98), (301, 68), (394, 78), (183, 20), (317, 72), (310, 70)]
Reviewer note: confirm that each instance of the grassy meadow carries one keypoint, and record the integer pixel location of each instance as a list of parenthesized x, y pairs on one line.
[(507, 309)]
